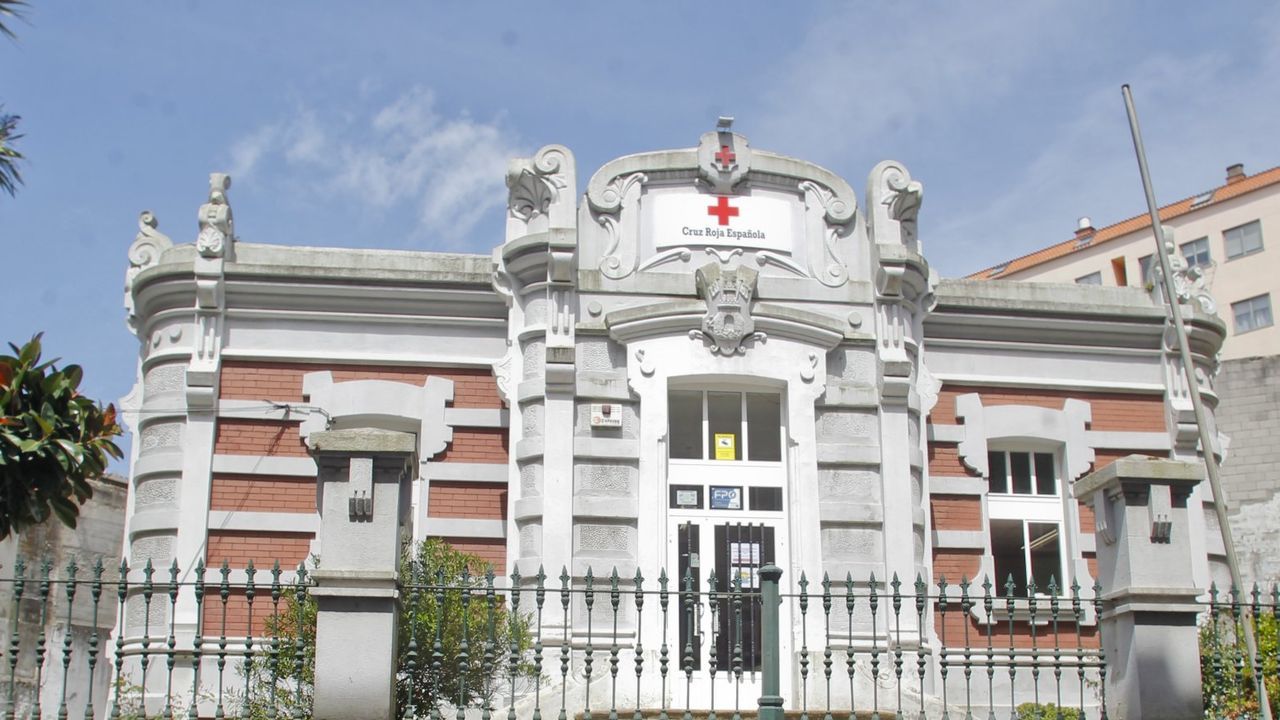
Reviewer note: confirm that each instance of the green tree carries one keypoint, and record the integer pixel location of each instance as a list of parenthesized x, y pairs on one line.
[(446, 595), (10, 178), (53, 440)]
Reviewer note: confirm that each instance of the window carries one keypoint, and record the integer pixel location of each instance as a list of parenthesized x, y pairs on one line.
[(1252, 314), (724, 425), (1147, 265), (1243, 240), (1025, 510), (1196, 252), (1090, 279)]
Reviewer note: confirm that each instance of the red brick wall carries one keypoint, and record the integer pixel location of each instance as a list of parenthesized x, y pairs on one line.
[(1111, 411), (282, 381), (944, 461), (493, 550), (237, 547), (951, 628), (956, 563), (237, 619), (956, 512), (467, 500), (476, 445), (258, 437), (1087, 526), (263, 493)]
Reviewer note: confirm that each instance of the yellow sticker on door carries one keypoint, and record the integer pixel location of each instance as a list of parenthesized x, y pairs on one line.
[(726, 446)]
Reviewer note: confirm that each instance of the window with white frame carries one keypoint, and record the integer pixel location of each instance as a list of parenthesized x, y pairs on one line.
[(724, 425), (1243, 240), (1252, 314), (1196, 252), (1024, 506), (1090, 279)]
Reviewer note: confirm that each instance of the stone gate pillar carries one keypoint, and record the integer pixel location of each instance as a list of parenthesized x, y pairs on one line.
[(1148, 622), (364, 485)]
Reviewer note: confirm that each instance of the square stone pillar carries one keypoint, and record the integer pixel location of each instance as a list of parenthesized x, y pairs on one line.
[(365, 483), (1148, 622)]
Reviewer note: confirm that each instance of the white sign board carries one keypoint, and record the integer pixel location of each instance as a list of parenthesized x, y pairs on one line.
[(677, 219)]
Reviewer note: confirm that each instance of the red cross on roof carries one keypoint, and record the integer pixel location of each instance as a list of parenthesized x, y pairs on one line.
[(722, 210), (725, 157)]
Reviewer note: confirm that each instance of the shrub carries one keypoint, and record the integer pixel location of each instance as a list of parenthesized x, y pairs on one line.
[(1227, 672), (1032, 711), (462, 607)]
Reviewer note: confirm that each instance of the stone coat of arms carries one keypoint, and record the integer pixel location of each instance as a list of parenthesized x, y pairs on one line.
[(728, 296)]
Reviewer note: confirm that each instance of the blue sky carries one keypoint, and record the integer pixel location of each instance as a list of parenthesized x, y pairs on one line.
[(389, 124)]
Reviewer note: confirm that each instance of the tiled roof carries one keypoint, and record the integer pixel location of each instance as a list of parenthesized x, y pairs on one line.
[(1250, 183)]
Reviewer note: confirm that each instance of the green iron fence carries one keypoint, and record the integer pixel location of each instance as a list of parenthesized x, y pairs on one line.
[(218, 642)]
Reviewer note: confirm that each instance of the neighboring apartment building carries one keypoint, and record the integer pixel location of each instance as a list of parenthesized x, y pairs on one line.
[(1231, 236)]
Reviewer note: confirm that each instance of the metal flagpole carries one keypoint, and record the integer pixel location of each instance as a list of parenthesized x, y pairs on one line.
[(1188, 369)]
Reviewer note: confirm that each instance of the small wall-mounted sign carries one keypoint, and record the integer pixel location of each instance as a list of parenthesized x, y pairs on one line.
[(726, 498), (606, 415), (726, 446)]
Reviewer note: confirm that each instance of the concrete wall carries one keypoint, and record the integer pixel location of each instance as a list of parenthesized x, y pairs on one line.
[(99, 534), (1250, 415)]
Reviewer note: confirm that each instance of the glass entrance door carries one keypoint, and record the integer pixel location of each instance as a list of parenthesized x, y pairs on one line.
[(718, 603)]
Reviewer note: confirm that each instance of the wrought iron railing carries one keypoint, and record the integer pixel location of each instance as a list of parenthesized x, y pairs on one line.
[(221, 643)]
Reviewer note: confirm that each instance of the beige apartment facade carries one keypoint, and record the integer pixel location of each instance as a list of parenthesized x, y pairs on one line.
[(1229, 238)]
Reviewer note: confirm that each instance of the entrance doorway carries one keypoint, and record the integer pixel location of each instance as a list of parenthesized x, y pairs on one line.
[(726, 519)]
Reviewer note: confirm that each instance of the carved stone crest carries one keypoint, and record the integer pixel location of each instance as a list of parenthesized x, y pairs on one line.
[(728, 321), (724, 159)]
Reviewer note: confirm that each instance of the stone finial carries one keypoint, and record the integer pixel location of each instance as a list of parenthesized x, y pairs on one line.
[(893, 204), (145, 251), (542, 187), (217, 228), (1188, 282)]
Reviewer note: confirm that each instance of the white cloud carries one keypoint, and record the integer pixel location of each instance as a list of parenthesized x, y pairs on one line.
[(448, 170), (874, 80), (867, 71)]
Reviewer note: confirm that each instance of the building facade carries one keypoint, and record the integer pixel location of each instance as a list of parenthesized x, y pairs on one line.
[(1221, 237), (713, 359)]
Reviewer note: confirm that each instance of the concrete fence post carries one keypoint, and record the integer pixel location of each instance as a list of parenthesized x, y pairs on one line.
[(1148, 621), (365, 481), (770, 681)]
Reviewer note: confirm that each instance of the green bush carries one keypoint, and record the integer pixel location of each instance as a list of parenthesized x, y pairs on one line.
[(1227, 672), (1032, 711)]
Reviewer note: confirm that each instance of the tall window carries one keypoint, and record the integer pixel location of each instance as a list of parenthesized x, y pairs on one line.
[(1196, 252), (1024, 505), (1243, 240), (724, 425), (1252, 314)]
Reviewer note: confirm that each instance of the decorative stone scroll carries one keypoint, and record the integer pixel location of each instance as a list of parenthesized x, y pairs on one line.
[(728, 296), (540, 190), (145, 251), (893, 205)]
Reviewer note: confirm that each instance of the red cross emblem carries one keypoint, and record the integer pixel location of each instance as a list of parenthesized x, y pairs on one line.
[(725, 157), (722, 210)]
